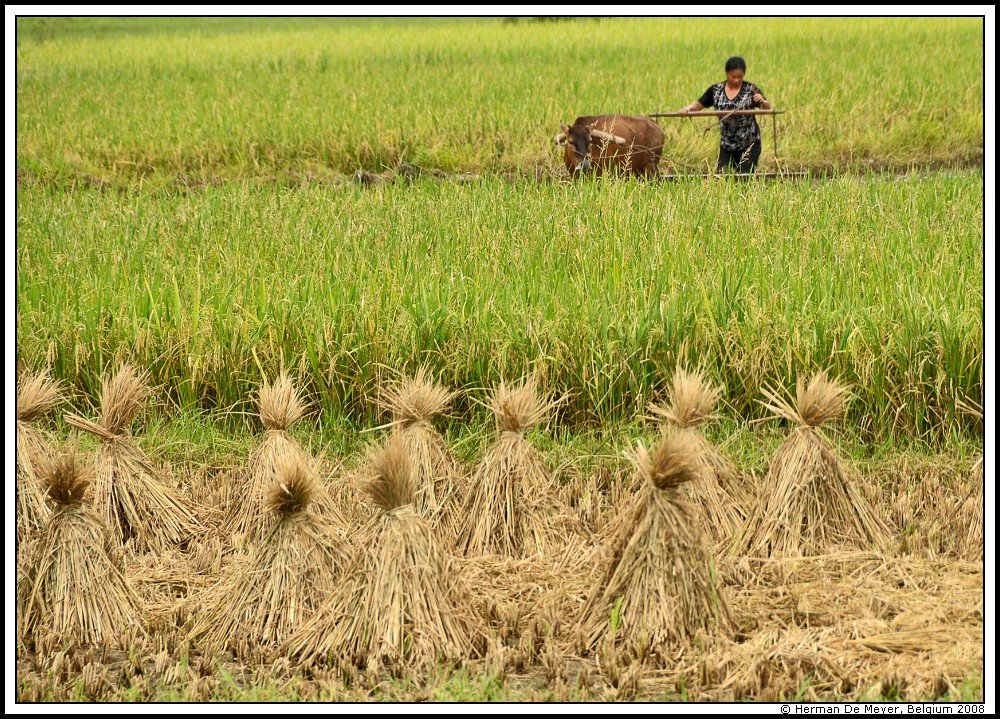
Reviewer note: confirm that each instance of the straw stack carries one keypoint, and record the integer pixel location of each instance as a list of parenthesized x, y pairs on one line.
[(131, 495), (973, 508), (279, 582), (691, 402), (280, 407), (74, 585), (512, 508), (413, 403), (657, 587), (402, 602), (37, 395), (808, 505), (973, 504)]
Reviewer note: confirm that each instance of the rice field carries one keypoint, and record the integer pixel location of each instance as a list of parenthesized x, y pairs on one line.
[(188, 203), (269, 98)]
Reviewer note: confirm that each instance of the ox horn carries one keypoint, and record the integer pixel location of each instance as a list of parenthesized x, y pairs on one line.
[(601, 135), (560, 139)]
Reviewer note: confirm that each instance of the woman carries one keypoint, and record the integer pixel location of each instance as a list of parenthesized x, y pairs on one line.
[(739, 145)]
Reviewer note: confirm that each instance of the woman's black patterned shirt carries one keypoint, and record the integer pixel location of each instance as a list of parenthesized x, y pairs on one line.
[(738, 131)]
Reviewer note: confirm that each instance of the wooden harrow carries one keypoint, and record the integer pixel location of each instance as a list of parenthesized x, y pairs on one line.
[(722, 115)]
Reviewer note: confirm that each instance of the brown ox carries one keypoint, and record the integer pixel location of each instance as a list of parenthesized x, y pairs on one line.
[(612, 143)]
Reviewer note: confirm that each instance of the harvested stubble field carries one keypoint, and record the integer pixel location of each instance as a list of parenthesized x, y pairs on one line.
[(902, 623), (182, 205)]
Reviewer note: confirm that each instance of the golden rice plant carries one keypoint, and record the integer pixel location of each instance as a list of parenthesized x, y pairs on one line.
[(402, 602), (37, 394), (280, 406), (74, 584), (280, 581), (718, 489), (512, 507), (657, 586), (134, 497), (414, 402), (808, 504)]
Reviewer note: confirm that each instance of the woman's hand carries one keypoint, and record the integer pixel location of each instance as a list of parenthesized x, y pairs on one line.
[(758, 98)]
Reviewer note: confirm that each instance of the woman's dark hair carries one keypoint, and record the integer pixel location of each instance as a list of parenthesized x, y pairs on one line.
[(736, 63)]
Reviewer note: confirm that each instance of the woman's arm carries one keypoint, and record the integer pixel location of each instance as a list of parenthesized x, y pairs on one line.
[(693, 107)]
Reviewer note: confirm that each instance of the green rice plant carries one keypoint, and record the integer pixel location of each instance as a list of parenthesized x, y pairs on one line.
[(878, 280)]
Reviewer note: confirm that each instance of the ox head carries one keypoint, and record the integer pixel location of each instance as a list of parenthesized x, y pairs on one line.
[(583, 145)]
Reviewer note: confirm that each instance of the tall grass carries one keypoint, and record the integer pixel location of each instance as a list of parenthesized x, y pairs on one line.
[(151, 98), (605, 284)]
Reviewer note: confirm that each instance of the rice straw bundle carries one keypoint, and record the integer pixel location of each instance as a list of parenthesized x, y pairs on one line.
[(281, 580), (403, 601), (808, 505), (74, 585), (972, 507), (413, 402), (692, 400), (133, 497), (657, 586), (280, 406), (37, 395), (512, 505)]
